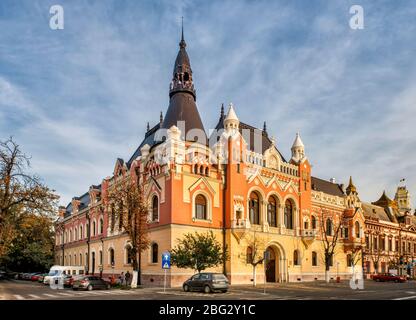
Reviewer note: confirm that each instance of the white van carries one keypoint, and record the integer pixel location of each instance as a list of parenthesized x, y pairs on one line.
[(58, 271)]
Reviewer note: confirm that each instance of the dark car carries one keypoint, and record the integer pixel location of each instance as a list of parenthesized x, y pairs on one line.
[(90, 283), (206, 282), (388, 277), (2, 275)]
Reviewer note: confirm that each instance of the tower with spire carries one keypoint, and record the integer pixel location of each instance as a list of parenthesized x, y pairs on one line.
[(231, 121), (298, 149), (182, 111)]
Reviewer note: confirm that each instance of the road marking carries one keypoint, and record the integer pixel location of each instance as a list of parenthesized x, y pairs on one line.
[(50, 295), (64, 294), (34, 296), (406, 298), (19, 297)]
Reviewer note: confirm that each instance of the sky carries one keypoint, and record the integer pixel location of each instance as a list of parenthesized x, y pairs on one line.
[(77, 99)]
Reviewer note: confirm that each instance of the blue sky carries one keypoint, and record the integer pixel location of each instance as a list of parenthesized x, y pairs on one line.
[(78, 98)]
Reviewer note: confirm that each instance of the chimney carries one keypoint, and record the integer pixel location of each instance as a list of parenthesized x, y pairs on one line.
[(61, 211), (332, 180)]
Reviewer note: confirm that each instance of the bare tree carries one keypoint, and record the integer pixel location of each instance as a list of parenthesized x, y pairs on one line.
[(126, 200), (330, 230), (254, 254), (21, 192)]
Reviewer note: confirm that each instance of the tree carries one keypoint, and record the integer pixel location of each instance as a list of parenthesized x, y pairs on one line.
[(330, 231), (126, 200), (254, 254), (21, 193), (198, 251)]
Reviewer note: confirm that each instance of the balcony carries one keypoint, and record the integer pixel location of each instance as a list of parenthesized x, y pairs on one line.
[(239, 227), (308, 236)]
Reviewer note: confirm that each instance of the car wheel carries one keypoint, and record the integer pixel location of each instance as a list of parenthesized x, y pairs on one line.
[(377, 280), (223, 291), (186, 288), (396, 281), (89, 288), (207, 289)]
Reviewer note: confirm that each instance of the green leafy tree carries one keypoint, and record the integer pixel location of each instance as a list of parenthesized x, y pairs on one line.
[(198, 251)]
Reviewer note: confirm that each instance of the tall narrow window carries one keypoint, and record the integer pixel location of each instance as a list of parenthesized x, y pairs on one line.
[(101, 257), (155, 252), (129, 254), (113, 217), (249, 255), (271, 212), (349, 260), (254, 208), (328, 227), (81, 235), (94, 228), (155, 208), (200, 207), (314, 259), (313, 222), (296, 258), (101, 225), (80, 259), (112, 261), (357, 230), (288, 215)]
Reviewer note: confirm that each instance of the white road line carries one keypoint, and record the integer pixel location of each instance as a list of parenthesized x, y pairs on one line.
[(34, 296), (50, 295), (406, 298), (19, 297), (64, 294)]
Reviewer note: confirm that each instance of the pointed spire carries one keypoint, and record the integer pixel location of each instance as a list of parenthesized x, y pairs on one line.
[(161, 117), (222, 111), (231, 113), (351, 187), (298, 141), (264, 129), (148, 126), (182, 44)]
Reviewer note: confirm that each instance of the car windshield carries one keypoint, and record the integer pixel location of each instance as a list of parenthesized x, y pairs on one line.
[(219, 277), (52, 273)]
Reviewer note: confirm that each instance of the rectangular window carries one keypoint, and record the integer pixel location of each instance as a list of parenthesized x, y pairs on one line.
[(200, 212), (390, 245)]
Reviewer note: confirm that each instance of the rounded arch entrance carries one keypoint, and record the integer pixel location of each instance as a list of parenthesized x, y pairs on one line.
[(276, 266)]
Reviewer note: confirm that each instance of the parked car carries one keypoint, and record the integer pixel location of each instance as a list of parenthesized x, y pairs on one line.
[(389, 277), (35, 276), (2, 275), (41, 277), (206, 282), (90, 283)]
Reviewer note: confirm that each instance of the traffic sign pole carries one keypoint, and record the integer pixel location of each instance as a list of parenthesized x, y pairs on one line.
[(165, 266), (164, 283)]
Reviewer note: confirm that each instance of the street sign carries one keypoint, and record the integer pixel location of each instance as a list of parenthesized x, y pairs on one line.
[(166, 260)]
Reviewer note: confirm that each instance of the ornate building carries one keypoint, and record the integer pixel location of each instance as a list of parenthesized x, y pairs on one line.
[(236, 183)]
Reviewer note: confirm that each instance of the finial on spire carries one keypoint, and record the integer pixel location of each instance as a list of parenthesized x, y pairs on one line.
[(182, 44), (264, 127), (148, 126), (222, 111), (351, 187), (161, 117)]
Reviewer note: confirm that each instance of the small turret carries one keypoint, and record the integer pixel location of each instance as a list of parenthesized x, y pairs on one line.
[(298, 149), (351, 189), (231, 121)]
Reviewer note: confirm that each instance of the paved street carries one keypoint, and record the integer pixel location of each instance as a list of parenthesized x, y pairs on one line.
[(23, 290)]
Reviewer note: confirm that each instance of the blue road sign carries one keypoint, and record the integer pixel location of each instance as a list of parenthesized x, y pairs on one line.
[(166, 260)]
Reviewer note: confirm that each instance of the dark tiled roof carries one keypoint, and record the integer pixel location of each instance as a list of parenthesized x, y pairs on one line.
[(148, 139), (327, 187), (377, 212)]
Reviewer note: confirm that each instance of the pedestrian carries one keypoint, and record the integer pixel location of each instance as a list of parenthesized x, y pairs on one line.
[(121, 278), (128, 276)]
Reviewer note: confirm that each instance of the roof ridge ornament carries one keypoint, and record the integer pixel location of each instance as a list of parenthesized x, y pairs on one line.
[(182, 44)]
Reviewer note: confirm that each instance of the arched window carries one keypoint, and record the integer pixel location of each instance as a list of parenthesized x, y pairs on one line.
[(155, 252), (80, 259), (357, 230), (206, 171), (349, 260), (314, 259), (296, 258), (196, 169), (101, 257), (313, 222), (111, 256), (200, 207), (328, 227), (75, 234), (288, 215), (101, 225), (129, 254), (271, 212), (93, 228), (254, 208), (249, 255), (155, 208), (70, 235), (87, 230), (201, 170), (81, 235)]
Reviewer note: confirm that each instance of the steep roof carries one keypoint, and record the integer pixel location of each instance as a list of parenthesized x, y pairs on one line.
[(377, 212), (327, 187)]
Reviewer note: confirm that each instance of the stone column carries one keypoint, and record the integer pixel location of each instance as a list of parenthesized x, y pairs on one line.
[(297, 227), (280, 220)]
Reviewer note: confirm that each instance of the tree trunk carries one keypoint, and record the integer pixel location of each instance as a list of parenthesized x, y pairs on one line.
[(327, 271), (139, 273), (254, 276)]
